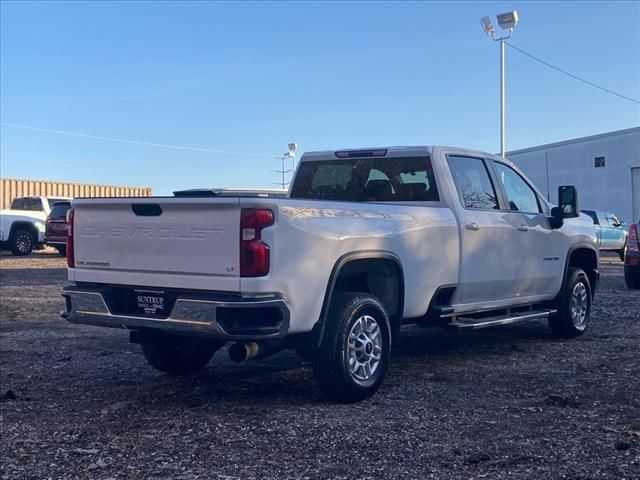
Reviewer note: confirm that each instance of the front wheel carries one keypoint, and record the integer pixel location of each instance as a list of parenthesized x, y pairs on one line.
[(179, 355), (22, 243), (574, 306), (354, 356)]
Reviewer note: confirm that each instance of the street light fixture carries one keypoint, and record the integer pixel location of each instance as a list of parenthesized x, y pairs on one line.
[(506, 21), (289, 154)]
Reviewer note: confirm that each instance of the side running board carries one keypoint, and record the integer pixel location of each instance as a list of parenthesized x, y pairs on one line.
[(470, 323)]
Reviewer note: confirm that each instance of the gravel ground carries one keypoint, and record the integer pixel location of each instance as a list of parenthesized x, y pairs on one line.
[(510, 402)]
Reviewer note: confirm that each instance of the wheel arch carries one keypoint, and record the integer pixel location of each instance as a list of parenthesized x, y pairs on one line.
[(21, 225), (350, 269), (584, 256)]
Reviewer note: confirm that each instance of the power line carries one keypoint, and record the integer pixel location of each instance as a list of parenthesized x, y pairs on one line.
[(135, 142), (571, 75)]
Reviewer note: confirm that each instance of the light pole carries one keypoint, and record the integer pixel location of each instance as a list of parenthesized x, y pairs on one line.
[(507, 21), (292, 155)]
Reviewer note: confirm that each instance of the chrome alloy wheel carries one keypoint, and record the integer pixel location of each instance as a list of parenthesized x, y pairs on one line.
[(364, 348), (579, 305), (24, 243)]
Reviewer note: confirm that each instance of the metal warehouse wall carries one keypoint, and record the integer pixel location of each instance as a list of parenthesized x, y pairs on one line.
[(609, 188), (11, 188)]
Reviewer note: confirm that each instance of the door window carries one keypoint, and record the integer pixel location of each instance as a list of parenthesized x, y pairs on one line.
[(473, 182), (520, 195)]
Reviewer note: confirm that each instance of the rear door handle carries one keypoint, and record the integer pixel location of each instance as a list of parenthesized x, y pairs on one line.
[(472, 226), (523, 228)]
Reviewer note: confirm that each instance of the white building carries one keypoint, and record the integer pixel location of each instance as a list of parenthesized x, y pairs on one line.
[(605, 169)]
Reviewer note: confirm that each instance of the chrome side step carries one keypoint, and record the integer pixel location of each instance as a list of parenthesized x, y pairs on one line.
[(470, 323)]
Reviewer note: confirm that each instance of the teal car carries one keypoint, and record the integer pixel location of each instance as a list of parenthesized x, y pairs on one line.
[(611, 232)]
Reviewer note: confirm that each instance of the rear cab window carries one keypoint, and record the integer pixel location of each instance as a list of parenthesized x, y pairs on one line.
[(394, 179), (30, 204)]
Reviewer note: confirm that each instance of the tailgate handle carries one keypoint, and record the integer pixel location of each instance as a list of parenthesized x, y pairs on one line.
[(146, 209)]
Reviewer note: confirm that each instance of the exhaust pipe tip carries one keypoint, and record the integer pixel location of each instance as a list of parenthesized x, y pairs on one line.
[(239, 352)]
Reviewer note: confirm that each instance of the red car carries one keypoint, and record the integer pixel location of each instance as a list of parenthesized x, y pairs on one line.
[(56, 227), (632, 257)]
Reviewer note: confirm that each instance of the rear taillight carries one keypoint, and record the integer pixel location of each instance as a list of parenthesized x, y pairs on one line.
[(71, 261), (254, 253), (632, 240)]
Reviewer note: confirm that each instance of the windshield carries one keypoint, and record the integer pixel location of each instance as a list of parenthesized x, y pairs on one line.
[(403, 179)]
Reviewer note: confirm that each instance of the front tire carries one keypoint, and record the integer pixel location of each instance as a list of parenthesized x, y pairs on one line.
[(354, 356), (574, 306), (22, 243), (179, 355)]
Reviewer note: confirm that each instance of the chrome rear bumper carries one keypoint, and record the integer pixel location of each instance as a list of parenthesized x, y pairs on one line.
[(222, 318)]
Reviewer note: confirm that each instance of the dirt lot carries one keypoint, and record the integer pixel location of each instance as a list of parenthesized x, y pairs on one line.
[(512, 402)]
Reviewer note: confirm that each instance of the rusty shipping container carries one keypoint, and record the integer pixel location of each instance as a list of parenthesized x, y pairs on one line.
[(11, 188)]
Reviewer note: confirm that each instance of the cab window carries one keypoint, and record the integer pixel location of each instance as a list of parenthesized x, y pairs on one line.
[(521, 197), (473, 182)]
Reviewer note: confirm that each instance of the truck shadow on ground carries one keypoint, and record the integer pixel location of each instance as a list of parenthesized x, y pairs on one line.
[(288, 377)]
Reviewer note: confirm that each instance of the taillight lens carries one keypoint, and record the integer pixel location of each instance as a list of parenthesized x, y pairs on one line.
[(71, 261), (254, 253), (632, 239)]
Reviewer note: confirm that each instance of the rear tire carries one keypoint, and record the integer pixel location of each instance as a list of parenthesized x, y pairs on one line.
[(62, 251), (574, 306), (354, 356), (621, 252), (21, 243), (632, 278), (179, 355)]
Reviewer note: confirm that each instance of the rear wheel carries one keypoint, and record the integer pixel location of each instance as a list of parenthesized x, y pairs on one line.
[(179, 355), (62, 250), (354, 356), (21, 243), (574, 306), (632, 277)]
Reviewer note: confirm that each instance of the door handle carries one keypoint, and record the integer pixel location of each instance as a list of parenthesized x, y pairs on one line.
[(472, 226), (523, 228)]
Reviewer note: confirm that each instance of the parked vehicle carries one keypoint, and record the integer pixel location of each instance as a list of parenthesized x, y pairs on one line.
[(56, 227), (22, 227), (612, 234), (366, 241), (632, 257)]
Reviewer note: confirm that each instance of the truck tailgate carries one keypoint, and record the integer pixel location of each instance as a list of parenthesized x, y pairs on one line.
[(168, 242)]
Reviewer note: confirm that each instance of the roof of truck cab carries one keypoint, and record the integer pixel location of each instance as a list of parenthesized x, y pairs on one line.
[(396, 151)]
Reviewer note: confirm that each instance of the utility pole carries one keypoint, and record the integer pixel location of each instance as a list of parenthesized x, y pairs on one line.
[(507, 21)]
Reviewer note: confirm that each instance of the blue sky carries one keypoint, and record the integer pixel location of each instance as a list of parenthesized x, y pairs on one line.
[(251, 77)]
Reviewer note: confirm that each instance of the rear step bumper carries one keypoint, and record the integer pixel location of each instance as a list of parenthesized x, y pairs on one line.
[(239, 318)]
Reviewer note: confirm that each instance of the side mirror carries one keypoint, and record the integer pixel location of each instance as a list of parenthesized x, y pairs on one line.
[(568, 201), (567, 206)]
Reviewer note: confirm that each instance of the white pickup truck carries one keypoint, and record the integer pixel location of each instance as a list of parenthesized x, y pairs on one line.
[(365, 241), (22, 227)]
